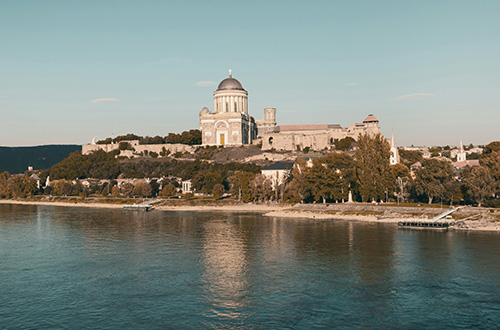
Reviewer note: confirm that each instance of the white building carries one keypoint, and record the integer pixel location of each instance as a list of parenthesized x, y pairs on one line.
[(394, 159), (229, 123), (186, 187), (277, 173)]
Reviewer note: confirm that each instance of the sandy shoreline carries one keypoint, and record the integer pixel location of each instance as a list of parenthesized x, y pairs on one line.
[(268, 210), (258, 208)]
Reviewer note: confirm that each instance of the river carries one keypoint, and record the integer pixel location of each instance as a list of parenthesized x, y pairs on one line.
[(81, 268)]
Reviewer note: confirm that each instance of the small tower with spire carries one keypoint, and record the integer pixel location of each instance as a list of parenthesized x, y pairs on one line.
[(461, 155), (394, 159)]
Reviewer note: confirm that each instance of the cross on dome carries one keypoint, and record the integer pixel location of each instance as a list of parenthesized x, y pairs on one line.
[(230, 71)]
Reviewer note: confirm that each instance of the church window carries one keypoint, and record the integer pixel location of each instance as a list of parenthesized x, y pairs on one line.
[(235, 107), (227, 107)]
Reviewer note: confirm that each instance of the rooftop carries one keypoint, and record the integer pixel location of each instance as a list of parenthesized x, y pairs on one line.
[(279, 166)]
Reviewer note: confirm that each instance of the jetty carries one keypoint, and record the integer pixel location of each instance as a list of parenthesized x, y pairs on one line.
[(146, 206), (440, 221)]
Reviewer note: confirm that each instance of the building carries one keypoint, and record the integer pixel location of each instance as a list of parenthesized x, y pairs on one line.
[(316, 137), (394, 158), (186, 187), (231, 124), (277, 173), (462, 159), (136, 150)]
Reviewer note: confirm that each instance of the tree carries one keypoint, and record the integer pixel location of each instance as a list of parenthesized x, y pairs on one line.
[(4, 188), (432, 178), (205, 180), (479, 183), (401, 175), (19, 186), (217, 191), (124, 146), (491, 147), (128, 189), (410, 157), (331, 177), (297, 191), (344, 144), (373, 168), (142, 189), (168, 190), (491, 160), (105, 190), (261, 188), (240, 185), (115, 191)]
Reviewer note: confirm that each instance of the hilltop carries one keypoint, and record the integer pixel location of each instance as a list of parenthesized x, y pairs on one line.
[(17, 159)]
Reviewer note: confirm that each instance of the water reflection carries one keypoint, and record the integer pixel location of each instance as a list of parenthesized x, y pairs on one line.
[(76, 267), (224, 267)]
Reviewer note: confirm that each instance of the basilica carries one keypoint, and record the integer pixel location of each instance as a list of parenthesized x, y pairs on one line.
[(230, 124)]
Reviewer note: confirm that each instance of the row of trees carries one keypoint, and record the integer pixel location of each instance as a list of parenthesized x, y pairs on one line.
[(369, 177), (16, 186), (365, 174), (191, 137)]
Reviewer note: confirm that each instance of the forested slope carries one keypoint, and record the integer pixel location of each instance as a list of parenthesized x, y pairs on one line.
[(17, 159)]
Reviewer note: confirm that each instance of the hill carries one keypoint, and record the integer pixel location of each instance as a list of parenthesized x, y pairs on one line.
[(17, 159)]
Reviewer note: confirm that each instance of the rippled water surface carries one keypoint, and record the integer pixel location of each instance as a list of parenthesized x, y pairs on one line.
[(80, 268)]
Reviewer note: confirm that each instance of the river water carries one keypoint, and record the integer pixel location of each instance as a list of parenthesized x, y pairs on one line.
[(80, 268)]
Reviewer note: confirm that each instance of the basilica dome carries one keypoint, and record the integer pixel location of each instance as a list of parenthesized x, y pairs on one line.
[(230, 84)]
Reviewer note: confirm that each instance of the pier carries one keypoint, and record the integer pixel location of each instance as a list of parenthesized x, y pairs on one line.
[(146, 206), (440, 221)]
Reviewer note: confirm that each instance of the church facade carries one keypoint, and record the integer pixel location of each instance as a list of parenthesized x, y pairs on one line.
[(230, 124)]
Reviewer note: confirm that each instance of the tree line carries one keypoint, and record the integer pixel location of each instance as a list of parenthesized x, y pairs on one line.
[(364, 174)]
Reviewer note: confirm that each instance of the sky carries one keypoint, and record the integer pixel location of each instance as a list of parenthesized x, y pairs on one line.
[(72, 70)]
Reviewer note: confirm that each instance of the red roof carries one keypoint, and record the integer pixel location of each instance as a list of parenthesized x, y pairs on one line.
[(282, 128), (370, 118), (471, 163)]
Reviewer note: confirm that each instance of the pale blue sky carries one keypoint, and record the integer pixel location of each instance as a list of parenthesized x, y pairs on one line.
[(316, 62)]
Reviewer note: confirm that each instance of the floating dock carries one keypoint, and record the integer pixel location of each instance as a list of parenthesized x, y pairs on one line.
[(438, 222), (426, 223), (140, 207)]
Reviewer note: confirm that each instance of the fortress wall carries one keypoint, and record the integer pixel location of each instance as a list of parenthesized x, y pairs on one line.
[(138, 148), (173, 148), (315, 139), (88, 148)]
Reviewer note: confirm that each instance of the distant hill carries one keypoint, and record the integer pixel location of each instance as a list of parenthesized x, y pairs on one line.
[(17, 159)]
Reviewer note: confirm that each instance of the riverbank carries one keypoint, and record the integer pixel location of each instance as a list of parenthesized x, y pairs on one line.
[(160, 205), (484, 219), (467, 218)]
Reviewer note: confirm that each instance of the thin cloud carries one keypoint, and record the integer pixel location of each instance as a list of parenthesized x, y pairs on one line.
[(351, 84), (289, 111), (414, 96), (105, 100), (205, 83)]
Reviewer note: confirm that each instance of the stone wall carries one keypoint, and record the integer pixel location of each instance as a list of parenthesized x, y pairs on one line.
[(319, 137), (138, 149)]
